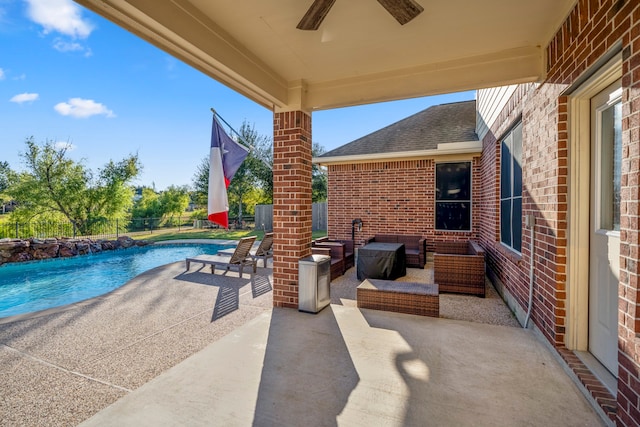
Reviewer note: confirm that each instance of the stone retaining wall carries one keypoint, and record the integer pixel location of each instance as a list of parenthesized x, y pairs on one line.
[(18, 250)]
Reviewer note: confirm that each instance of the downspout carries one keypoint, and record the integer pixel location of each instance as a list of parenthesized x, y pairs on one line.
[(530, 221)]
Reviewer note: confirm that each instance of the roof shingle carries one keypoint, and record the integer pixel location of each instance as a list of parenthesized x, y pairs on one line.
[(439, 124)]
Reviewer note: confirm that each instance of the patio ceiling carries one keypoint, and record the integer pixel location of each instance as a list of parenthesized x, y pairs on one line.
[(359, 55)]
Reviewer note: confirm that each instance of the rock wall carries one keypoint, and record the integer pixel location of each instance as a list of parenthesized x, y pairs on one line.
[(18, 250)]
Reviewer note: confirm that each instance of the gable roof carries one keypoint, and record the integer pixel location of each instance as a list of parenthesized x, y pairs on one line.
[(422, 132)]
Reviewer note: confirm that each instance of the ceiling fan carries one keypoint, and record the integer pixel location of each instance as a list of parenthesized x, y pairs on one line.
[(402, 10)]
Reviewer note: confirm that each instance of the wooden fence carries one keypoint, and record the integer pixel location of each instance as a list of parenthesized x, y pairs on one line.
[(264, 217)]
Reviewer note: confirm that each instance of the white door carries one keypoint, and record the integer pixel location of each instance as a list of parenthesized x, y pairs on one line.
[(606, 162)]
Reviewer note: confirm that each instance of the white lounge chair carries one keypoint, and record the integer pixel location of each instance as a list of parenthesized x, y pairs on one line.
[(238, 261)]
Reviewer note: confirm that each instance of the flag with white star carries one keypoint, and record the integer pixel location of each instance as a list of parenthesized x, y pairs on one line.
[(225, 158)]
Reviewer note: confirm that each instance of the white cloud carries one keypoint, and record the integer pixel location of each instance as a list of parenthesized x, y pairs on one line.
[(24, 97), (62, 16), (82, 108), (65, 46), (2, 74), (64, 145)]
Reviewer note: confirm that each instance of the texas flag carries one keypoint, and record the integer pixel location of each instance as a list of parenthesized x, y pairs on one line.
[(225, 158)]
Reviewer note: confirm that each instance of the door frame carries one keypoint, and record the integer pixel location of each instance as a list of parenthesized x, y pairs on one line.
[(579, 183), (603, 344)]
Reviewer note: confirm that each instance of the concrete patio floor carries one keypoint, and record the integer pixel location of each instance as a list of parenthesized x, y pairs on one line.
[(353, 367), (190, 348)]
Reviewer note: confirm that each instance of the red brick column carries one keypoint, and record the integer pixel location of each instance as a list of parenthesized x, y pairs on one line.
[(291, 202)]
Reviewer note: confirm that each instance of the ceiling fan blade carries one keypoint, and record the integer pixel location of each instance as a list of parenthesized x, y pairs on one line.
[(315, 15), (403, 10)]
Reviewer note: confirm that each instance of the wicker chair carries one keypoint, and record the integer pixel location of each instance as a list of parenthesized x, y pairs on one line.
[(336, 251), (458, 267), (349, 253), (349, 258)]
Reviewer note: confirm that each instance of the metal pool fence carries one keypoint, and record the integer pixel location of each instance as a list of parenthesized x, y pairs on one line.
[(104, 229)]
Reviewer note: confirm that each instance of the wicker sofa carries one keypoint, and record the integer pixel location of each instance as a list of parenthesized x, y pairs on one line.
[(415, 247), (458, 267)]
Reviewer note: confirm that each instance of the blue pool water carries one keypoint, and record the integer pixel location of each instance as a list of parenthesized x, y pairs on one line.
[(33, 286)]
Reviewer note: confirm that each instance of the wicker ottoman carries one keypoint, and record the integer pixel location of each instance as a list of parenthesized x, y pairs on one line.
[(400, 297)]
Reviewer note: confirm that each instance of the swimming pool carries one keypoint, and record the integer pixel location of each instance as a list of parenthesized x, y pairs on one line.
[(33, 286)]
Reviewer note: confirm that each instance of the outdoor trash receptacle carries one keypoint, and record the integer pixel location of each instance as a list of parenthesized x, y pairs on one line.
[(314, 281)]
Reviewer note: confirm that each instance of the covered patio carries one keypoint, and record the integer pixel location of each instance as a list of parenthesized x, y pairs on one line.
[(353, 367), (175, 347), (360, 54), (556, 55)]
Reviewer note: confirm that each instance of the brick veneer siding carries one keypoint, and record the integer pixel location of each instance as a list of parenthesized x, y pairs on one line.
[(503, 265), (592, 29), (292, 218), (394, 197)]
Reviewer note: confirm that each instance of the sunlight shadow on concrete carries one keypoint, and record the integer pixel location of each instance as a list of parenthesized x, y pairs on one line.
[(307, 375)]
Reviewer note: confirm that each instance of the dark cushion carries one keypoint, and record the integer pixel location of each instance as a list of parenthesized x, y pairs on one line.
[(410, 242), (386, 238)]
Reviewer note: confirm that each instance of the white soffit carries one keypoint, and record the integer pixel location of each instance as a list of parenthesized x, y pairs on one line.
[(359, 55)]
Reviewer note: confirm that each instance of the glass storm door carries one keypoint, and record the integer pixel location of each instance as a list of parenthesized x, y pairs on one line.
[(604, 245)]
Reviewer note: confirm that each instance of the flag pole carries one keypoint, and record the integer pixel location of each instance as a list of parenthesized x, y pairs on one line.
[(240, 138)]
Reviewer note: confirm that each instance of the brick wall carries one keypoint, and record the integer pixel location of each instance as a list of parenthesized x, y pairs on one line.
[(396, 197), (292, 217), (629, 304), (503, 265), (593, 28)]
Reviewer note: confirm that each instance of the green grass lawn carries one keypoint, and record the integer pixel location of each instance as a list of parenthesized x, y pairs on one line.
[(190, 233), (158, 235)]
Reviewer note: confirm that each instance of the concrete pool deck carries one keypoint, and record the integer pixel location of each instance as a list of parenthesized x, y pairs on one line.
[(64, 366), (190, 348)]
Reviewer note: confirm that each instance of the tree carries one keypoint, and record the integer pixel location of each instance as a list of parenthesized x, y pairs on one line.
[(5, 172), (255, 173), (318, 176), (174, 201), (53, 185), (4, 176), (147, 205), (261, 165), (200, 183), (244, 180)]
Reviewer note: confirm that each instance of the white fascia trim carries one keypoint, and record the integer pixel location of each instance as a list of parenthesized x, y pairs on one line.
[(465, 147)]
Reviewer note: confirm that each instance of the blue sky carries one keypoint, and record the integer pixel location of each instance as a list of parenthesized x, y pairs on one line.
[(69, 76)]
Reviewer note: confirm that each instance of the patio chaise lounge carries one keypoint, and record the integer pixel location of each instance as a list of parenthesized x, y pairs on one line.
[(239, 259), (264, 250)]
